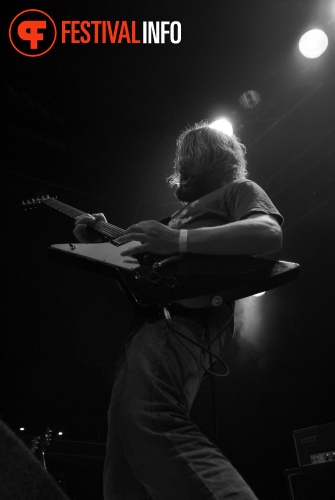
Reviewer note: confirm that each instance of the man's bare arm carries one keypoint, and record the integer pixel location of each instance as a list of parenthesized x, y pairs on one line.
[(258, 234)]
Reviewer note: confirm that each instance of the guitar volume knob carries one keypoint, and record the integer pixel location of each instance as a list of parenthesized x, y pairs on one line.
[(216, 301)]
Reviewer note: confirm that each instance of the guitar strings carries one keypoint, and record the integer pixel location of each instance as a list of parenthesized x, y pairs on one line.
[(109, 229)]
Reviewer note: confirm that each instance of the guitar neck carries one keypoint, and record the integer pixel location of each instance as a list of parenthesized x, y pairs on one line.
[(108, 230)]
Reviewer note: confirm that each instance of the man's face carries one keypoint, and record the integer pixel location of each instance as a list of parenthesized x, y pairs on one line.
[(191, 189)]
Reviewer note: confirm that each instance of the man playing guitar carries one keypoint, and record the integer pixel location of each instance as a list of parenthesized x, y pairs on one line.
[(153, 449)]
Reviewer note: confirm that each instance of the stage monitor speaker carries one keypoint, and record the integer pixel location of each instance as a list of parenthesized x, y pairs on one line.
[(315, 445), (311, 482)]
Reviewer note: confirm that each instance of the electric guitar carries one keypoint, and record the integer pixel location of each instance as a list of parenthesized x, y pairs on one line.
[(154, 279)]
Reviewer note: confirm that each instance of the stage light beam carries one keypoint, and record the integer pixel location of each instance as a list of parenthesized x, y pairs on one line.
[(313, 43)]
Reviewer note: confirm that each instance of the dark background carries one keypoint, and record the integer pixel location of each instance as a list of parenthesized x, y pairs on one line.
[(96, 125)]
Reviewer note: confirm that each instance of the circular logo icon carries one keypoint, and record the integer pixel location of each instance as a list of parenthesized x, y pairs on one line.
[(32, 33)]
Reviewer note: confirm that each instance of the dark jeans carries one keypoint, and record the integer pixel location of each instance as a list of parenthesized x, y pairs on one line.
[(153, 449)]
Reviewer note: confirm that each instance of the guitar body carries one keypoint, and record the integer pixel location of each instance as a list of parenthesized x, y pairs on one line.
[(196, 275), (107, 253), (186, 276), (161, 280)]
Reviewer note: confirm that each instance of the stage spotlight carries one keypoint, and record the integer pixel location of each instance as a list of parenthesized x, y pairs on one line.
[(313, 43), (250, 99), (224, 125)]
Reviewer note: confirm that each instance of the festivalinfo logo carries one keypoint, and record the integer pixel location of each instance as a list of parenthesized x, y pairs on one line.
[(33, 32)]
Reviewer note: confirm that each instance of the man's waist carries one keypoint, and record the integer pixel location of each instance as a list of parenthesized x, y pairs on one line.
[(201, 302)]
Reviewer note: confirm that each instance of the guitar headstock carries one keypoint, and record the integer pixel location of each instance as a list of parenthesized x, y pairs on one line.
[(36, 202)]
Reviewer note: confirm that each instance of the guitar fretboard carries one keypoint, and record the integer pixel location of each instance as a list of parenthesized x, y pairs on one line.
[(108, 230)]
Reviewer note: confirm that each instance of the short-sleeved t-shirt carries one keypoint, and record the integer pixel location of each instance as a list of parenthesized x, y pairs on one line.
[(235, 201)]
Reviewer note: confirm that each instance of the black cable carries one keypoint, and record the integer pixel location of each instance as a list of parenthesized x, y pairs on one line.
[(206, 348)]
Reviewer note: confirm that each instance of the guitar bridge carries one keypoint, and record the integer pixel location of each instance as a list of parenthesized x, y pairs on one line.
[(151, 272), (165, 262)]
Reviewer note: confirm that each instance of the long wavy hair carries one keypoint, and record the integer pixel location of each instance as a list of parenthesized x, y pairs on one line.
[(202, 150)]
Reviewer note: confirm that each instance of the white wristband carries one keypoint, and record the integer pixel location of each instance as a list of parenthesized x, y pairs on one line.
[(183, 240)]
